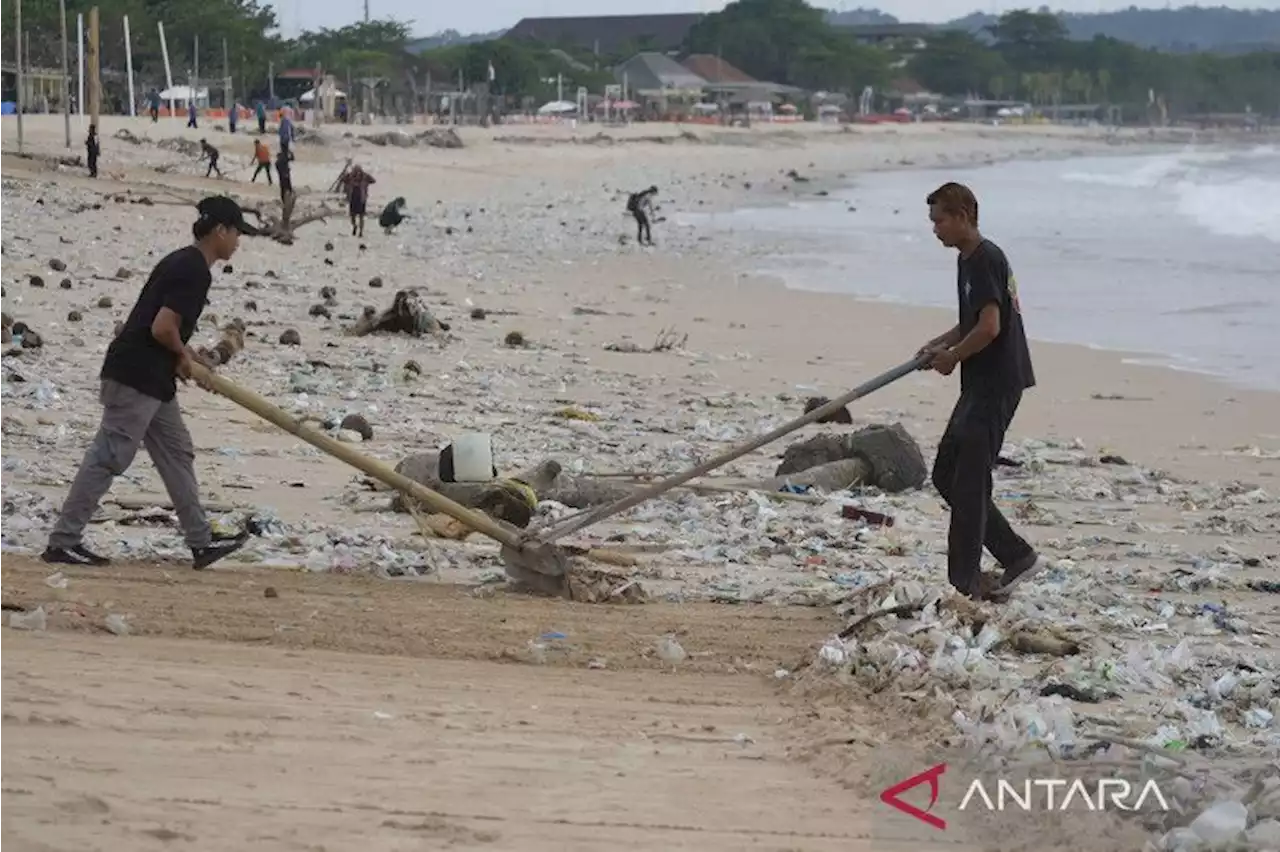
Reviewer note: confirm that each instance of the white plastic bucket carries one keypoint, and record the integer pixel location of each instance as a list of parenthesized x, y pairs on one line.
[(473, 457)]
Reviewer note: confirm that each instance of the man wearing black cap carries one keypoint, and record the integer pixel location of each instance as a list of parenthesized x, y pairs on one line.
[(139, 389)]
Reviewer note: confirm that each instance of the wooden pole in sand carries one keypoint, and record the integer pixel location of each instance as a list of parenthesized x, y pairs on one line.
[(95, 82), (17, 32), (66, 76), (228, 102)]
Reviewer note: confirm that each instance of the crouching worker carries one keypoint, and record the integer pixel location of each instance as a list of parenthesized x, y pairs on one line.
[(392, 215), (139, 395)]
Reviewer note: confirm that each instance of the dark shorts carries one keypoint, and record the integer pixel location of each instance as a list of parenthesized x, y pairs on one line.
[(356, 206)]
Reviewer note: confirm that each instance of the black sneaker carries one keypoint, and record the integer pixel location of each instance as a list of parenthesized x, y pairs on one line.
[(78, 555), (203, 557), (1016, 574)]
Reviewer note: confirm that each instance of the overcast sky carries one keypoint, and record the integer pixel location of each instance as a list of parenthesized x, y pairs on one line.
[(430, 16)]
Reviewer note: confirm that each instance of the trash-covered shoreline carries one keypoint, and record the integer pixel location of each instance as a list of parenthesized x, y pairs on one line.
[(1152, 633)]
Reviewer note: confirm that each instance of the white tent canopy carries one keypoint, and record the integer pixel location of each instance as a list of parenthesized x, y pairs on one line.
[(557, 107), (310, 95), (185, 94)]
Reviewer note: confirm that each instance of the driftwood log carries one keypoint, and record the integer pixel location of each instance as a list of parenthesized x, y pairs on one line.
[(498, 499), (280, 226), (408, 314)]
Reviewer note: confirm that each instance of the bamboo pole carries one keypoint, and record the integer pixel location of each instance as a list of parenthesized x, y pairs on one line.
[(344, 452), (128, 64), (80, 63), (66, 76), (20, 105)]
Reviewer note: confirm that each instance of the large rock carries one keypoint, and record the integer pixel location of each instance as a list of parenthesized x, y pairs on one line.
[(893, 457)]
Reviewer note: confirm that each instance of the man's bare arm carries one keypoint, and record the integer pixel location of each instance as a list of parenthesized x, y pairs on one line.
[(949, 337), (985, 330)]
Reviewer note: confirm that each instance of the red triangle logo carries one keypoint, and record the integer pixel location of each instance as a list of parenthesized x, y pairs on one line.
[(890, 796)]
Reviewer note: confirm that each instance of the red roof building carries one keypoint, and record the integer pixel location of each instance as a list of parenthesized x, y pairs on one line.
[(713, 69)]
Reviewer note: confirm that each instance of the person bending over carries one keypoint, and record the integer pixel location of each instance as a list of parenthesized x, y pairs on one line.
[(640, 205), (392, 215), (210, 153)]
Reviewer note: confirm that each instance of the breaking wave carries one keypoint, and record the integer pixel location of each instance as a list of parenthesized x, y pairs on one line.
[(1235, 194)]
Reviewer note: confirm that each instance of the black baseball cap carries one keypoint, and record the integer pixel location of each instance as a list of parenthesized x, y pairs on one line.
[(222, 210)]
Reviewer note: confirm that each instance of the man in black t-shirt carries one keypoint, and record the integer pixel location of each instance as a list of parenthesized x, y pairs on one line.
[(989, 345), (139, 389), (284, 171), (210, 153)]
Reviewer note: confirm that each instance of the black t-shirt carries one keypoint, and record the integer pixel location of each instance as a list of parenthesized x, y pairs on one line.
[(135, 358), (1005, 365)]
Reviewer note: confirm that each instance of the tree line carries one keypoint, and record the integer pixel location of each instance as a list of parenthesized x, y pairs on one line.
[(1030, 56), (1023, 55)]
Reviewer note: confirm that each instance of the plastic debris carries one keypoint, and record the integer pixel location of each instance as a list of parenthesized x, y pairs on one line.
[(34, 620), (1221, 823)]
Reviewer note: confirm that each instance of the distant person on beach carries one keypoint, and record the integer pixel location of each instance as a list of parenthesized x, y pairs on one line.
[(356, 186), (640, 205), (392, 215), (261, 156), (92, 149), (154, 99), (210, 153), (233, 116), (139, 395), (261, 111), (285, 173), (191, 114), (286, 131), (989, 345), (342, 112)]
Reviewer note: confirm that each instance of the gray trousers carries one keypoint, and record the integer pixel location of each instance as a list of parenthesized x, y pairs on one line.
[(131, 419)]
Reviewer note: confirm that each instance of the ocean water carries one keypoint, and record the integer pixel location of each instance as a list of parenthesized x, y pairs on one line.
[(1175, 257)]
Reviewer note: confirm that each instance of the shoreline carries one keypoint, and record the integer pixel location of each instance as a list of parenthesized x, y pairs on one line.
[(799, 251)]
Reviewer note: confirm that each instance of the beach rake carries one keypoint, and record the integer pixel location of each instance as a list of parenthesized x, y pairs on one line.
[(534, 559)]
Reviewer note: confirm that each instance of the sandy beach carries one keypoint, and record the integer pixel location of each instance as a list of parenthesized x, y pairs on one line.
[(323, 701)]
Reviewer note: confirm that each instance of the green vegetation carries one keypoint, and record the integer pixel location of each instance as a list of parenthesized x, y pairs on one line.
[(1024, 55), (1031, 57), (789, 41)]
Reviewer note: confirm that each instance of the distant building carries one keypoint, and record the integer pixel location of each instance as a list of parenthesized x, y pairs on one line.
[(609, 34), (732, 85), (650, 74), (909, 36)]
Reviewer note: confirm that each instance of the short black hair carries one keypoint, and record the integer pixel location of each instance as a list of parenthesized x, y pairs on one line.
[(955, 199), (202, 228)]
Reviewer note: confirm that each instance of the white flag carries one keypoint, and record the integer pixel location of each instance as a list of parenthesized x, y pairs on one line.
[(491, 72)]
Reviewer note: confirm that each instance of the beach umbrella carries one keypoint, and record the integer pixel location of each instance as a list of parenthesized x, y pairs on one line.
[(557, 108)]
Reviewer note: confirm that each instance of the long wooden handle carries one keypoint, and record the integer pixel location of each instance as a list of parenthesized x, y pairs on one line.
[(433, 500), (641, 495)]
